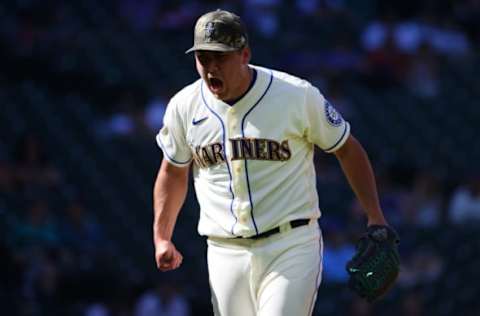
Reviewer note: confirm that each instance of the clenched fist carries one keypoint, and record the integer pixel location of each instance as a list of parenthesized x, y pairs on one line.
[(167, 256)]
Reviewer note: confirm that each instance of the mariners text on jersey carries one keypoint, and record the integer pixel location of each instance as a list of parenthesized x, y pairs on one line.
[(243, 148)]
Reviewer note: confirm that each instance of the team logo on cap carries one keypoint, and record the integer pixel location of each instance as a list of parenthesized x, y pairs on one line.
[(333, 117), (209, 31)]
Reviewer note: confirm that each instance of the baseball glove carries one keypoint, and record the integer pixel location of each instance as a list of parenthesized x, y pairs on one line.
[(375, 266)]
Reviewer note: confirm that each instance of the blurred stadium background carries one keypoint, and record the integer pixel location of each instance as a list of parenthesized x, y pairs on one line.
[(83, 88)]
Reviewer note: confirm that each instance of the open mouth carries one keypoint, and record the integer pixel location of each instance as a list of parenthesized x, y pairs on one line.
[(215, 84)]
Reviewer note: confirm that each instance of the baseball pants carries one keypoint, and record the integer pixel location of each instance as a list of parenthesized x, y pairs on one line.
[(274, 276)]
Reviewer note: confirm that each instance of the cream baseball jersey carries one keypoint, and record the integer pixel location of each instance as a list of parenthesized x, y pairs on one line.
[(253, 160)]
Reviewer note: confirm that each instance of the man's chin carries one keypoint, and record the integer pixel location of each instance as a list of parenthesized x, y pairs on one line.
[(217, 93)]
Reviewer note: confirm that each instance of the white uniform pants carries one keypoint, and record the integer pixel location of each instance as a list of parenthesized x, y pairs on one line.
[(274, 276)]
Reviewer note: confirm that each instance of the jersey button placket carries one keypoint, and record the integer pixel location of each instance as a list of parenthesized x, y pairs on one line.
[(233, 125), (238, 179), (243, 217), (237, 169)]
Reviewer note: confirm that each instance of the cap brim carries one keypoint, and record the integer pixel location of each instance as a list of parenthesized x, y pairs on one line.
[(214, 47)]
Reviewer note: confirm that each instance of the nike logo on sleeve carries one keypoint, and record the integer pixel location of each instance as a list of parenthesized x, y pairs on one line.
[(196, 122)]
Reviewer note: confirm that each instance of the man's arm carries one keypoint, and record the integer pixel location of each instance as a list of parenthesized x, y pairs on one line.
[(358, 170), (169, 194)]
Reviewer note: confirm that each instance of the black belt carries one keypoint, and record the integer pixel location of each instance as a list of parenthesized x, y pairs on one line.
[(273, 231)]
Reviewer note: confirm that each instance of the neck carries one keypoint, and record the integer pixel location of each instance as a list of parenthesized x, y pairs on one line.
[(244, 83)]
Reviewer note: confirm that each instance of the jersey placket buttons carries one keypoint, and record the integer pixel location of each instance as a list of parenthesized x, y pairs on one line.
[(243, 217), (233, 125), (239, 180), (239, 184)]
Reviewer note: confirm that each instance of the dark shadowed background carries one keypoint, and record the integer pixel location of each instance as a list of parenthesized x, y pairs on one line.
[(83, 88)]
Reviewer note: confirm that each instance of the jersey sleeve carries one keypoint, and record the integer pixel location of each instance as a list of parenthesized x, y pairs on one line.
[(325, 126), (172, 138)]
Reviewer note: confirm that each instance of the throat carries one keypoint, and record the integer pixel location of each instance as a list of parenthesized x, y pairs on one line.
[(252, 83)]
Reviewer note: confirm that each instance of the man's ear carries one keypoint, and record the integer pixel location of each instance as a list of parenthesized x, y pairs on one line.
[(246, 55)]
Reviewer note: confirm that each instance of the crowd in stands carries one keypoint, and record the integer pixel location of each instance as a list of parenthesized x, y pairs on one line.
[(57, 258)]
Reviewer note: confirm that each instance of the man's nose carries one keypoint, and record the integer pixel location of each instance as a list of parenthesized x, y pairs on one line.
[(212, 66)]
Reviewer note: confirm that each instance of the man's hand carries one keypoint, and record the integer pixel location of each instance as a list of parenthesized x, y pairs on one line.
[(167, 256)]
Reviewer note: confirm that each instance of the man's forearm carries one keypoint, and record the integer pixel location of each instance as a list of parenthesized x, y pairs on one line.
[(168, 196), (358, 170)]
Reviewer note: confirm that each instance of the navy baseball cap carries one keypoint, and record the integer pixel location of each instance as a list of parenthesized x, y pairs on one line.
[(220, 31)]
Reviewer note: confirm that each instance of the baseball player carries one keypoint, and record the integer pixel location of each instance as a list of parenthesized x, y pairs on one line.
[(249, 134)]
